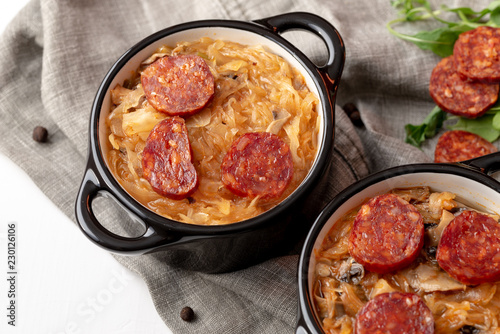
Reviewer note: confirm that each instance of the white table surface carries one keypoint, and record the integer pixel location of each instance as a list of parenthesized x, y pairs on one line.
[(65, 284)]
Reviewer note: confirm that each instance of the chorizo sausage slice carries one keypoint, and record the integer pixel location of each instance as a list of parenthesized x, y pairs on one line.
[(387, 234), (258, 164), (469, 249), (178, 85), (395, 312), (458, 145), (167, 160), (457, 95), (477, 54)]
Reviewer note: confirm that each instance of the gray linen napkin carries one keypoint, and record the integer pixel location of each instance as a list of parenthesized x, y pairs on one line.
[(55, 53)]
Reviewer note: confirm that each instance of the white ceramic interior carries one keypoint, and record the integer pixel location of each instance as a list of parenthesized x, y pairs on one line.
[(468, 191), (222, 33)]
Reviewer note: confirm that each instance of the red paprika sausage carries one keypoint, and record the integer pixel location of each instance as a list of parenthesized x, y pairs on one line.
[(387, 234), (395, 312), (167, 160), (458, 145), (469, 249), (178, 85), (457, 95), (257, 164), (477, 54)]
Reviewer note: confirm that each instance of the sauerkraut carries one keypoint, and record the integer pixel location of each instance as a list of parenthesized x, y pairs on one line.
[(255, 91), (342, 286)]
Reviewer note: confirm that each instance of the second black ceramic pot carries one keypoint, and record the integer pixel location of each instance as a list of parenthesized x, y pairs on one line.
[(471, 181), (213, 248)]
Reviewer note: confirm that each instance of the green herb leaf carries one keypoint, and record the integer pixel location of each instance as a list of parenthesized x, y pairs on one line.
[(496, 121), (495, 17), (482, 126), (466, 16), (417, 134), (440, 41), (434, 121), (468, 12), (494, 5)]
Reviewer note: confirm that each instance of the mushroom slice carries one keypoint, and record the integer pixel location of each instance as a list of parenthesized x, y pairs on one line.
[(428, 278), (280, 117)]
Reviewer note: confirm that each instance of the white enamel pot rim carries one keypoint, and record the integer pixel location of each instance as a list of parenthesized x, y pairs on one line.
[(471, 180)]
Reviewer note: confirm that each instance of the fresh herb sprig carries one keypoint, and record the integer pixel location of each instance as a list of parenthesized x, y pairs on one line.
[(417, 134), (486, 126), (441, 42)]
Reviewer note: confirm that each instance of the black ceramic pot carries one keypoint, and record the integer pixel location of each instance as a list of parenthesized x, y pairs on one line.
[(470, 180), (212, 248)]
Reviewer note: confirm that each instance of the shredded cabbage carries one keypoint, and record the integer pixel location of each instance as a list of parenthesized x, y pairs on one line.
[(453, 304), (256, 91)]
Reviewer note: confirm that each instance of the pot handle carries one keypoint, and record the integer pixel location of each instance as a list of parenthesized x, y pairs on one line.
[(93, 229), (487, 164), (332, 70)]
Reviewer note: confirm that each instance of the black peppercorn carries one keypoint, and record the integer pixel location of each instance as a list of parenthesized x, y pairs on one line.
[(353, 113), (187, 314), (40, 134)]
